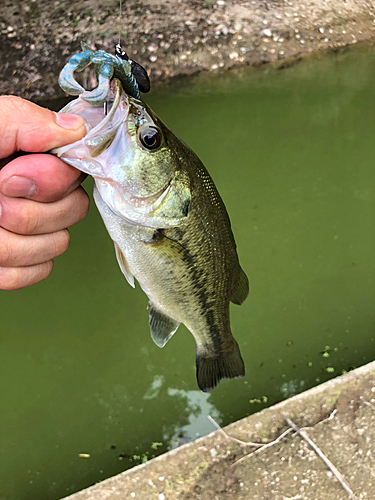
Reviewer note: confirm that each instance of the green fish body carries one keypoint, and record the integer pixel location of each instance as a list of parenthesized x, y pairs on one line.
[(169, 225)]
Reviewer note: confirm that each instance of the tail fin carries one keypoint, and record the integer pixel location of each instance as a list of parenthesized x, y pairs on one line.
[(210, 370)]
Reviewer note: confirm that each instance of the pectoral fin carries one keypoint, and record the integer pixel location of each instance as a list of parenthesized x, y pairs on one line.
[(162, 327), (124, 266), (241, 289)]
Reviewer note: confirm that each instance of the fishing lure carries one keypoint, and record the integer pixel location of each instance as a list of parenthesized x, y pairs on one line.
[(133, 77)]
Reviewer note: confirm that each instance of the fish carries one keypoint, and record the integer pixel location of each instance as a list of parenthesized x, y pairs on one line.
[(169, 225)]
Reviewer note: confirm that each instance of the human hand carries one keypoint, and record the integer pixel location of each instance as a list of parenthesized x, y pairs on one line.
[(40, 195)]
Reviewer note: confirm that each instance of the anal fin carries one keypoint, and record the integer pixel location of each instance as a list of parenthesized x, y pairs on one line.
[(124, 266), (162, 327), (241, 289)]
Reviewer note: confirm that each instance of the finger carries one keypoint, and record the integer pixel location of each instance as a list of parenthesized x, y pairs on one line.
[(25, 126), (14, 278), (31, 217), (18, 250), (40, 177)]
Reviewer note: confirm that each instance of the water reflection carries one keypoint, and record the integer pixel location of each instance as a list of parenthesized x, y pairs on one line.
[(195, 407), (292, 387), (198, 407)]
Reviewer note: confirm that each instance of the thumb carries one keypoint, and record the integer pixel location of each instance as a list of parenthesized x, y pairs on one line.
[(25, 126)]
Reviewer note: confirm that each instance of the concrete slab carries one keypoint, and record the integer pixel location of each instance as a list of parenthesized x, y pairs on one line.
[(288, 470)]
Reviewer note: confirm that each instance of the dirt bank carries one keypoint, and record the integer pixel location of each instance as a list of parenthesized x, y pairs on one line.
[(170, 38), (340, 416)]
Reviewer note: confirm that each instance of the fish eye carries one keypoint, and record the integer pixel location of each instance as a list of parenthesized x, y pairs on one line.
[(150, 138)]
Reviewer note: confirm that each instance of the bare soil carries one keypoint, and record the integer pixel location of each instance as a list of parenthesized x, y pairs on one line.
[(171, 38)]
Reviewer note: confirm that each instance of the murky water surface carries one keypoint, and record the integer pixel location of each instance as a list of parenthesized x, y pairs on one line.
[(292, 153)]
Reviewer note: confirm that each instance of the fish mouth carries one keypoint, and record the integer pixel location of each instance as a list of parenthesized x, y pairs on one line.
[(103, 150), (102, 124), (115, 97)]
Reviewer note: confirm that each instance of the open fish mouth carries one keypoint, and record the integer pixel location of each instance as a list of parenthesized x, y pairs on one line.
[(106, 152), (102, 123)]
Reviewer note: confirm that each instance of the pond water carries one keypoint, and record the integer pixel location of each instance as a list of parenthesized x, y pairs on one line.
[(292, 154)]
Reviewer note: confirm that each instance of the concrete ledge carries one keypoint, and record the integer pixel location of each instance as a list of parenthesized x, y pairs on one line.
[(287, 470)]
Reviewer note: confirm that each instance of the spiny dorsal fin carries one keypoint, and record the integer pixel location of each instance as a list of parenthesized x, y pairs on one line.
[(210, 370), (162, 327), (241, 289), (124, 266)]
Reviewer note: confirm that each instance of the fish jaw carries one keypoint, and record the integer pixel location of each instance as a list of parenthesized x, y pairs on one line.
[(106, 149), (134, 210)]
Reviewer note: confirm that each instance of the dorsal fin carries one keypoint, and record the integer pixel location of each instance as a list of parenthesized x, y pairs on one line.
[(162, 327), (241, 289), (124, 266)]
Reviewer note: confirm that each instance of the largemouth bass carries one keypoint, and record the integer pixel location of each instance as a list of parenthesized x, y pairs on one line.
[(170, 228)]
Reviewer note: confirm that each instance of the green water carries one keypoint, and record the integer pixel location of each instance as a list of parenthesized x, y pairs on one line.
[(292, 153)]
